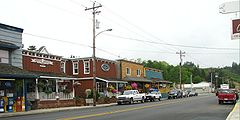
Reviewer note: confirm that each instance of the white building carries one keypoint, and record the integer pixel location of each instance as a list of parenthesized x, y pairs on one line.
[(202, 87)]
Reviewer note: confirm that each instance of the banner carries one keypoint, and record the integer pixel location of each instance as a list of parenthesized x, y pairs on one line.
[(235, 29)]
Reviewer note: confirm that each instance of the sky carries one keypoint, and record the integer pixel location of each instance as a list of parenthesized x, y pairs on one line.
[(146, 29)]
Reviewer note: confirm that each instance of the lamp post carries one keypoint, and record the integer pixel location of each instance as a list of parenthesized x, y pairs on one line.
[(94, 63)]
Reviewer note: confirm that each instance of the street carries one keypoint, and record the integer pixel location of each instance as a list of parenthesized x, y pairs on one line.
[(203, 107)]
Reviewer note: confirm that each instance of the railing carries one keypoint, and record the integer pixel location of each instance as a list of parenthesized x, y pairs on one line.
[(51, 96)]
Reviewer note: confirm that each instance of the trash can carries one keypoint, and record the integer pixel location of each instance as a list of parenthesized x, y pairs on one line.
[(18, 104), (2, 105), (10, 104)]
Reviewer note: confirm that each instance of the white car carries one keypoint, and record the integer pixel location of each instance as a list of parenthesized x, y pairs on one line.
[(153, 95), (131, 96)]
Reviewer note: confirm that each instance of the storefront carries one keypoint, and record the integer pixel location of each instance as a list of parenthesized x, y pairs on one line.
[(13, 90)]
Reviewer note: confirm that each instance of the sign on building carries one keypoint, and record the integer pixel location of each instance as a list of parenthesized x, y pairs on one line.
[(229, 7), (235, 29)]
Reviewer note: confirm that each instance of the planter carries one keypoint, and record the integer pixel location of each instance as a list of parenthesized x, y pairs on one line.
[(89, 101)]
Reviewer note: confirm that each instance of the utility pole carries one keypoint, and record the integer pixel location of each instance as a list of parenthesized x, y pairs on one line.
[(94, 12), (181, 53)]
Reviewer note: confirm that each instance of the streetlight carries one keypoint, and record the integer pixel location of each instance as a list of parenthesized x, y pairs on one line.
[(94, 65)]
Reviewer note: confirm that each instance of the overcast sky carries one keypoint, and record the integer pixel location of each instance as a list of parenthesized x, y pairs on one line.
[(147, 29)]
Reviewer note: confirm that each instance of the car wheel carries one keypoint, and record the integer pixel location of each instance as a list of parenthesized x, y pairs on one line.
[(159, 99), (131, 101), (153, 99), (142, 101), (219, 102)]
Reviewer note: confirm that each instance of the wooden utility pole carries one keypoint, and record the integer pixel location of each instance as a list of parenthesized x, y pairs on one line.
[(181, 53), (94, 12)]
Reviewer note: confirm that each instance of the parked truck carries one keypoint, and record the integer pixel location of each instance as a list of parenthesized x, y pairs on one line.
[(131, 96), (226, 96)]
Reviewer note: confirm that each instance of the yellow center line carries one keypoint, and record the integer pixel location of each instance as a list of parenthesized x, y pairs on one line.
[(120, 111)]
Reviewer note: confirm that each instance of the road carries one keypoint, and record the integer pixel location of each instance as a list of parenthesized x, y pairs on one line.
[(204, 107)]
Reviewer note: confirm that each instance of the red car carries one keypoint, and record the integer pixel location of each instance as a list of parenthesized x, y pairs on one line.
[(226, 95)]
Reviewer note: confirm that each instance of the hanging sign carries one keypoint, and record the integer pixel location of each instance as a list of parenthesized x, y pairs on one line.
[(235, 29)]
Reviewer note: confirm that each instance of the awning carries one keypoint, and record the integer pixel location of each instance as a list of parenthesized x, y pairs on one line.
[(102, 79), (137, 79), (6, 45), (7, 79), (48, 75), (163, 81), (8, 71)]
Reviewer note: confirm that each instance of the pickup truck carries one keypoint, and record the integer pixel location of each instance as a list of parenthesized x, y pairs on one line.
[(226, 95), (153, 95), (130, 96)]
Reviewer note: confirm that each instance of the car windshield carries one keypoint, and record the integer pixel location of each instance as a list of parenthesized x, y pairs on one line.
[(173, 91), (127, 92), (226, 91), (153, 92)]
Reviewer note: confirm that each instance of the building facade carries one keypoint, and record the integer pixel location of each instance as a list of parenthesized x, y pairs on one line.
[(13, 78), (133, 73), (52, 87), (106, 75)]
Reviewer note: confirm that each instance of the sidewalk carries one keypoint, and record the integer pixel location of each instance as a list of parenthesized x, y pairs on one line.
[(40, 111), (235, 113)]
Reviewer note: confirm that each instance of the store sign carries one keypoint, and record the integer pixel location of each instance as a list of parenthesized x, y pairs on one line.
[(235, 29), (42, 61), (105, 67)]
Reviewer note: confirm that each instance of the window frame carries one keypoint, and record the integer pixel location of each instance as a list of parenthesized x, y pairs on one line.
[(138, 72), (127, 68), (86, 67), (63, 68), (75, 73)]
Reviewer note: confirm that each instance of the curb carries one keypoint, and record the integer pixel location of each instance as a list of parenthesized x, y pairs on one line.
[(42, 111), (234, 115)]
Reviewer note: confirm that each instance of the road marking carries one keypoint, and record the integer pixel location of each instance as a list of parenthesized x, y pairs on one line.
[(123, 110)]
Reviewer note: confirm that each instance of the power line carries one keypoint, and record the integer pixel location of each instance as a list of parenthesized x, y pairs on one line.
[(187, 46), (54, 39)]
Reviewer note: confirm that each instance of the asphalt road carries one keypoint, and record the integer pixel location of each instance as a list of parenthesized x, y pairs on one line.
[(203, 107)]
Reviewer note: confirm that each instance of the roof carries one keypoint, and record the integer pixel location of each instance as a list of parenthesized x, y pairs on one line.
[(9, 71), (11, 28), (97, 58), (123, 60), (7, 45), (52, 75), (137, 79)]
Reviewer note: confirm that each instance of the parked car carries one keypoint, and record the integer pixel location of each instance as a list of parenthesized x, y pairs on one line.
[(192, 93), (131, 96), (153, 95), (173, 94), (227, 95), (184, 93)]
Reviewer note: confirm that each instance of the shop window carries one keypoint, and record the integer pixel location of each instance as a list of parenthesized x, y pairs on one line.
[(128, 71), (86, 67), (4, 56), (75, 68)]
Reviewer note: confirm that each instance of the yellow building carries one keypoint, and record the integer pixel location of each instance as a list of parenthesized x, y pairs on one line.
[(133, 73)]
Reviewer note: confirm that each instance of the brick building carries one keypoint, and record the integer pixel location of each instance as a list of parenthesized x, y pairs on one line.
[(52, 87), (106, 75)]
